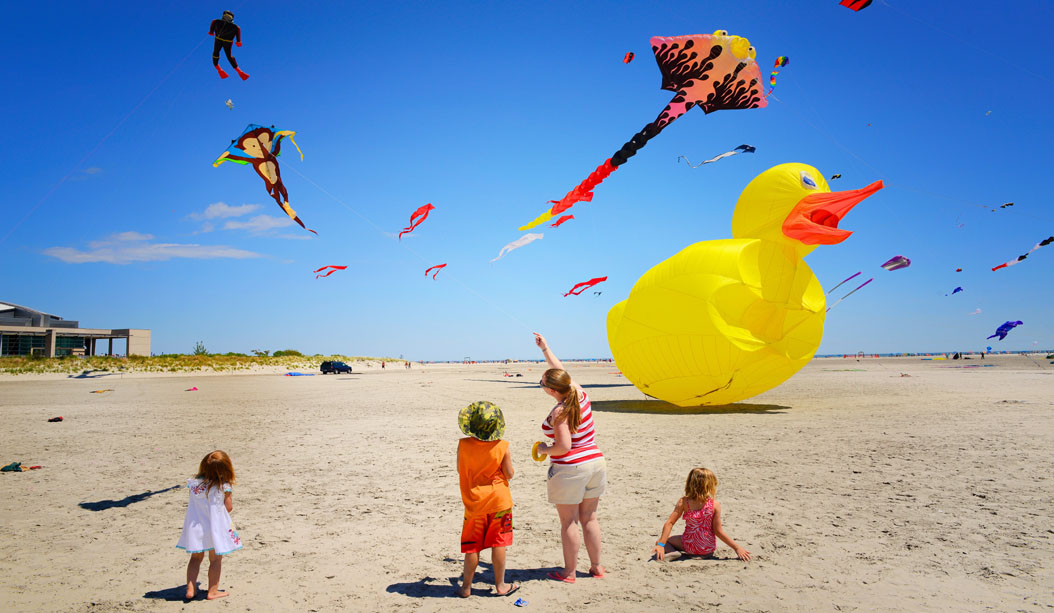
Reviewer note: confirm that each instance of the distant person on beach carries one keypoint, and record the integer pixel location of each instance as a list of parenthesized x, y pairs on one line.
[(484, 468), (702, 519), (382, 365), (207, 525), (577, 470)]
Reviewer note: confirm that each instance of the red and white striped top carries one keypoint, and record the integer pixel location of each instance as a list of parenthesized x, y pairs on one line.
[(583, 442)]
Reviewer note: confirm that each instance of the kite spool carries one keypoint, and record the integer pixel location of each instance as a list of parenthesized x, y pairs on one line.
[(538, 457)]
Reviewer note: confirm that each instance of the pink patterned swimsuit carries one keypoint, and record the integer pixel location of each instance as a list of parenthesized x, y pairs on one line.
[(698, 536)]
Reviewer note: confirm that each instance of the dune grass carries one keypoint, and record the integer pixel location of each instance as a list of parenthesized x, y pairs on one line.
[(171, 363)]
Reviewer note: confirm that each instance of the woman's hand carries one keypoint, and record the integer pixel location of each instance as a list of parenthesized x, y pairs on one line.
[(743, 554), (660, 553), (540, 341)]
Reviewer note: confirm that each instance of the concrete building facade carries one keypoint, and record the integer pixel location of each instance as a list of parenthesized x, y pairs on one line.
[(26, 331)]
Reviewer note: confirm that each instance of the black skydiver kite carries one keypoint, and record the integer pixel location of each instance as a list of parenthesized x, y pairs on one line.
[(226, 32)]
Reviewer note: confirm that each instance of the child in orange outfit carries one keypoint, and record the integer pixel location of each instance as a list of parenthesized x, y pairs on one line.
[(484, 468)]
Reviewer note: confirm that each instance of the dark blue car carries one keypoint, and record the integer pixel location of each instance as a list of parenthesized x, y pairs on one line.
[(334, 367)]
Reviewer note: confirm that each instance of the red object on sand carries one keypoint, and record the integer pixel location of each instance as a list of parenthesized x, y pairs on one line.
[(193, 389)]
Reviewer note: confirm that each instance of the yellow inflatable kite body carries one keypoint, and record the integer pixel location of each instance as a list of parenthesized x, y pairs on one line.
[(725, 320), (718, 322)]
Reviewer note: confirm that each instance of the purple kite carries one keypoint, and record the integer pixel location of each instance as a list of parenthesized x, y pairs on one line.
[(896, 263), (1005, 329)]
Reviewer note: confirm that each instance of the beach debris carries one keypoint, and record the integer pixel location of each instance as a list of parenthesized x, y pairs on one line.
[(584, 285), (628, 58), (737, 150), (55, 419), (230, 105), (100, 391), (260, 147), (226, 33), (781, 61), (299, 374), (710, 71), (896, 263), (191, 389), (560, 221), (1021, 258), (418, 216), (1005, 329), (335, 269), (437, 268), (856, 5), (904, 374), (516, 244), (955, 291), (520, 602), (850, 293)]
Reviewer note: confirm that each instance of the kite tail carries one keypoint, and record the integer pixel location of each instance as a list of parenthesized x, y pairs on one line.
[(582, 193), (292, 215)]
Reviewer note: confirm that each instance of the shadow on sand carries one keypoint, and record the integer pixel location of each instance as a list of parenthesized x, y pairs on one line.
[(665, 408), (174, 594), (102, 505), (91, 374), (482, 584)]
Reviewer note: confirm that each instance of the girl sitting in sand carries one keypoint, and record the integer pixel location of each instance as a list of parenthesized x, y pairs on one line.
[(702, 518), (208, 526)]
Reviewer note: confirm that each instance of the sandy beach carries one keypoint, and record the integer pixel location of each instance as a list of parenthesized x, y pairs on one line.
[(854, 487)]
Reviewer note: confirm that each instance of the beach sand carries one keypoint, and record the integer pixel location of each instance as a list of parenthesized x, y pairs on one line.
[(855, 489)]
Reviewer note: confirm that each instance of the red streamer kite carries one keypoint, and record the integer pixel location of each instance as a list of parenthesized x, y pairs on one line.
[(437, 269), (335, 269), (583, 286), (562, 220), (712, 71), (423, 213), (1021, 258), (856, 5)]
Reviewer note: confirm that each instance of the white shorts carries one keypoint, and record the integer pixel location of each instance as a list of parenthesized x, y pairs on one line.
[(573, 483)]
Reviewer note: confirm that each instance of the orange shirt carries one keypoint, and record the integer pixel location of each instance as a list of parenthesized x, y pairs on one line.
[(484, 488)]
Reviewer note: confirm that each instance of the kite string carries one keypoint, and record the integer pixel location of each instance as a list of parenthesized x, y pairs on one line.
[(408, 248), (100, 143)]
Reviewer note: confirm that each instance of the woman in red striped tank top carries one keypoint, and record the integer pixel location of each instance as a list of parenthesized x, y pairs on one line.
[(577, 472)]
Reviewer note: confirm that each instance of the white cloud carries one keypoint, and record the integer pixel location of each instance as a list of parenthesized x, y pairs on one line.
[(222, 210), (258, 224), (128, 247)]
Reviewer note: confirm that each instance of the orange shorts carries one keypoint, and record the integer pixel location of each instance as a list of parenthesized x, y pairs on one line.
[(485, 531)]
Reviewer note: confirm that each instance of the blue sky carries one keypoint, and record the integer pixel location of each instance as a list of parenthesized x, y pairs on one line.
[(487, 112)]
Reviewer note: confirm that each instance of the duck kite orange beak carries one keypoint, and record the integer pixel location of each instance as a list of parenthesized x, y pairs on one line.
[(814, 220)]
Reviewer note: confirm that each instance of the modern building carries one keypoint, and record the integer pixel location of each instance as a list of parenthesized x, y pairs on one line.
[(26, 331)]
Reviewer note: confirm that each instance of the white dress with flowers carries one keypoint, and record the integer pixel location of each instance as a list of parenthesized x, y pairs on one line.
[(208, 525)]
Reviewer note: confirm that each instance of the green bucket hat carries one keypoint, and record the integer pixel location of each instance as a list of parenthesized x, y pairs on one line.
[(482, 420)]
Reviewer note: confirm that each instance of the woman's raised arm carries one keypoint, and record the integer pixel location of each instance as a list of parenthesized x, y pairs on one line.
[(552, 360)]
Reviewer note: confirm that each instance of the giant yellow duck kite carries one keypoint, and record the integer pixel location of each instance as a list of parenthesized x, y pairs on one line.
[(725, 320)]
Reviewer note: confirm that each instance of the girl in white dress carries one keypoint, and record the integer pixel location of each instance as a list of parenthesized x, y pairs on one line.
[(208, 525)]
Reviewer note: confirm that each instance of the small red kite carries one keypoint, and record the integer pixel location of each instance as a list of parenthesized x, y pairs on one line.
[(562, 220), (583, 286), (335, 269), (422, 213), (436, 268), (628, 58)]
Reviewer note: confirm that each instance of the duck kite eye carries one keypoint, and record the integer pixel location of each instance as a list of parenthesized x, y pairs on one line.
[(720, 32), (807, 182), (753, 53)]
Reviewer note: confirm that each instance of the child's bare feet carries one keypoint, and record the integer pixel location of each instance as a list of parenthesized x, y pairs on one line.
[(505, 589), (465, 591), (213, 595), (192, 591)]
